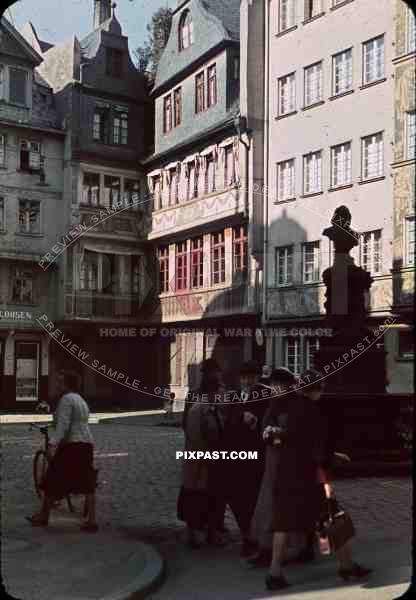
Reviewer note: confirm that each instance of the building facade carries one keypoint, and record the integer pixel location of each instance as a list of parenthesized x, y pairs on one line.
[(202, 216), (329, 141), (101, 98), (32, 144)]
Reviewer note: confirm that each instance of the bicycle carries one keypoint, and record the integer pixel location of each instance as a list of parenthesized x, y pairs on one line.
[(40, 465)]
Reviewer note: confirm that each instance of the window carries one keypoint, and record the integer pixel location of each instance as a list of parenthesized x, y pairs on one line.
[(167, 114), (370, 251), (2, 215), (114, 62), (157, 192), (192, 181), (111, 191), (101, 123), (342, 72), (107, 264), (410, 135), (197, 262), (22, 290), (310, 262), (410, 241), (2, 150), (411, 31), (218, 258), (313, 8), (163, 269), (240, 248), (29, 155), (312, 173), (406, 345), (173, 187), (286, 94), (132, 194), (212, 86), (120, 127), (88, 278), (312, 347), (313, 84), (29, 216), (287, 16), (209, 174), (17, 86), (286, 180), (236, 68), (135, 275), (341, 165), (185, 31), (229, 166), (373, 60), (177, 102), (372, 163), (284, 265), (293, 355), (91, 189), (200, 93), (181, 274)]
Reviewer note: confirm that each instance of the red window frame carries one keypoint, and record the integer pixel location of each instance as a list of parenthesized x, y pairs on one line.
[(240, 249), (218, 258), (163, 256), (167, 114), (181, 264), (200, 92), (212, 85), (197, 262)]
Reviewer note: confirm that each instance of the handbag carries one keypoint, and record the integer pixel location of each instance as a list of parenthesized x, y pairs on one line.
[(339, 527)]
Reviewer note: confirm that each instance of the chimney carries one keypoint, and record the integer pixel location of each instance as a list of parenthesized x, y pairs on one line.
[(102, 12)]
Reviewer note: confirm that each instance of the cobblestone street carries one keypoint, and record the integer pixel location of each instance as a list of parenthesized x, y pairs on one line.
[(138, 483)]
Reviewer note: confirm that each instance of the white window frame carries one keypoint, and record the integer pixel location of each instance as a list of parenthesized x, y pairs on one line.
[(309, 343), (16, 68), (286, 255), (287, 15), (341, 164), (312, 84), (34, 148), (375, 67), (410, 31), (297, 352), (410, 135), (342, 72), (286, 94), (25, 274), (375, 242), (316, 8), (286, 182), (377, 141), (408, 242), (312, 173), (316, 262)]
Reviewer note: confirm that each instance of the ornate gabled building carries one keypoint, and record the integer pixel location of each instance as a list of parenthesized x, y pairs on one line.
[(32, 143), (101, 98), (201, 214)]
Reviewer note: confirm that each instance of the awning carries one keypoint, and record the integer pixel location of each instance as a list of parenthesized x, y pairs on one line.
[(111, 248)]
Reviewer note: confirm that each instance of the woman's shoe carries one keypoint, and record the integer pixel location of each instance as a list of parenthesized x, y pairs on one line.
[(355, 572), (276, 583)]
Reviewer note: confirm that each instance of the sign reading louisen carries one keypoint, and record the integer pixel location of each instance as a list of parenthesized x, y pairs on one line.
[(15, 315)]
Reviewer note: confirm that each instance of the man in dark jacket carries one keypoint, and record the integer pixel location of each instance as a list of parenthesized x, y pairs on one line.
[(243, 432)]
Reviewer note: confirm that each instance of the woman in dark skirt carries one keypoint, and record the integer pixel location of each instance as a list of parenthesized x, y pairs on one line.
[(299, 499), (71, 449)]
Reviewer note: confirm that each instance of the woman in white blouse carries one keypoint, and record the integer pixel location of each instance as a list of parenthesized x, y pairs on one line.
[(70, 470)]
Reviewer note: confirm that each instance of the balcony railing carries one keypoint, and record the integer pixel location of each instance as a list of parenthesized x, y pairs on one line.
[(96, 306)]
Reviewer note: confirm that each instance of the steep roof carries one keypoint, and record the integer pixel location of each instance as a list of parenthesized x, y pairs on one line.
[(91, 42), (228, 12), (20, 42)]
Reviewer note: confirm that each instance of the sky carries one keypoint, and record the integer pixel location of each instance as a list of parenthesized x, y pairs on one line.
[(57, 20)]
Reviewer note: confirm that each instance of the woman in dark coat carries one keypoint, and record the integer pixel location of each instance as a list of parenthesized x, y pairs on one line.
[(298, 502)]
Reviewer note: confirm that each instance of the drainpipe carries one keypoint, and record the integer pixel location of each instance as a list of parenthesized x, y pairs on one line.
[(266, 163)]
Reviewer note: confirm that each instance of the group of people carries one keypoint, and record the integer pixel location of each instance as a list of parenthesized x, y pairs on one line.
[(279, 498)]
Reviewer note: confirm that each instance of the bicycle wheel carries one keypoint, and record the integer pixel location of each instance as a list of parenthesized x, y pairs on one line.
[(40, 464)]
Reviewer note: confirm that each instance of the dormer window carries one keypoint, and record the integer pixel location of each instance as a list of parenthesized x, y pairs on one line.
[(185, 31)]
